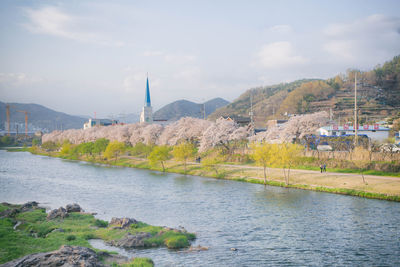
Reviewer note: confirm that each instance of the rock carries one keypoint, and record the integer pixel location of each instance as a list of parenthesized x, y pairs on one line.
[(122, 222), (73, 208), (29, 206), (10, 213), (198, 248), (112, 258), (60, 212), (65, 256), (131, 241), (16, 225)]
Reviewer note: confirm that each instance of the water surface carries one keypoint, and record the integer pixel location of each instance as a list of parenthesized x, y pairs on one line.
[(269, 226)]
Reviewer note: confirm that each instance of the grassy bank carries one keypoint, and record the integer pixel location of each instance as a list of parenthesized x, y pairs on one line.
[(384, 188), (35, 233)]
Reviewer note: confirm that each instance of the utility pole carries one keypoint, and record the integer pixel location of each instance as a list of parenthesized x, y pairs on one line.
[(355, 111), (8, 119), (251, 111), (204, 111)]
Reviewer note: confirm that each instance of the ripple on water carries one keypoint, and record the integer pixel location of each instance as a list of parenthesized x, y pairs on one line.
[(269, 226)]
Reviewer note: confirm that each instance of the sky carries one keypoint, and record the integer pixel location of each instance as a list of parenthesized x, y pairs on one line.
[(81, 57)]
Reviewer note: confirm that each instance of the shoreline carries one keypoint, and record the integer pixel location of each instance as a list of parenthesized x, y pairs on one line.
[(200, 171)]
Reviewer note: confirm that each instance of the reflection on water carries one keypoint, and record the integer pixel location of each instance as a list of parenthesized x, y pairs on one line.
[(268, 225)]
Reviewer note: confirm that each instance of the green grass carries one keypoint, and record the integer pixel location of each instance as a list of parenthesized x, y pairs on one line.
[(137, 262), (18, 149), (36, 233)]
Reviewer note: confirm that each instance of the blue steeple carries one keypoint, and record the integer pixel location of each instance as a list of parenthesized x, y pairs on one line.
[(147, 101)]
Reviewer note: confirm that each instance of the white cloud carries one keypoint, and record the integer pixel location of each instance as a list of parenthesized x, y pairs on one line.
[(171, 57), (18, 79), (279, 55), (153, 53), (52, 21), (372, 39), (135, 81), (280, 29)]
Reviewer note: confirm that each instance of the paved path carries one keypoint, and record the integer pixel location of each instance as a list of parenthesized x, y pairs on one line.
[(292, 171)]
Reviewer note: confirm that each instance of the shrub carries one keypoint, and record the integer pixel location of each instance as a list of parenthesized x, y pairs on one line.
[(70, 237), (177, 242), (89, 236), (100, 223)]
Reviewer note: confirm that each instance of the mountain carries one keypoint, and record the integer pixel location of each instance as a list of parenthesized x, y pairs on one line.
[(185, 108), (39, 118), (378, 96)]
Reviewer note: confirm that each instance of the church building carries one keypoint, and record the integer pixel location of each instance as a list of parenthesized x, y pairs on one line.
[(147, 112)]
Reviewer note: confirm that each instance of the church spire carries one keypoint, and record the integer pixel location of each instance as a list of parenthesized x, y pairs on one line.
[(147, 101), (147, 112)]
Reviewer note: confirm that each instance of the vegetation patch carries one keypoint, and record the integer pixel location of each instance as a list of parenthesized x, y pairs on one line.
[(35, 233)]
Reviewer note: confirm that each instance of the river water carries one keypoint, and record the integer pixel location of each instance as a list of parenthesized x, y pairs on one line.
[(269, 226)]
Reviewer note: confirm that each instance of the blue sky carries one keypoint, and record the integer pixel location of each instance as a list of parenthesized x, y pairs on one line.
[(82, 57)]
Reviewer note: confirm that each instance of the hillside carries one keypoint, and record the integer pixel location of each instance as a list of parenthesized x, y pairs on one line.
[(39, 118), (378, 96), (185, 108), (266, 101)]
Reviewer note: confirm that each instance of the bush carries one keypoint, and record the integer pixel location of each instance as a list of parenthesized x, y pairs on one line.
[(101, 223), (177, 242), (89, 236), (70, 237)]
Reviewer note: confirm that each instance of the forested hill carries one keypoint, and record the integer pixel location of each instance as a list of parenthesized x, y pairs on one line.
[(378, 96), (185, 108), (39, 118)]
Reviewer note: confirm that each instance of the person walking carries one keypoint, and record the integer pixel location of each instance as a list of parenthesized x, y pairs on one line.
[(324, 167), (321, 167)]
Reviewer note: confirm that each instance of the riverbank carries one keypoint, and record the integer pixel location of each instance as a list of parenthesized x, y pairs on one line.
[(27, 229), (376, 187)]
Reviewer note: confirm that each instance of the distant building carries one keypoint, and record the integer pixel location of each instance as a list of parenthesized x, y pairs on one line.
[(147, 112), (275, 123), (99, 122), (374, 132), (241, 121)]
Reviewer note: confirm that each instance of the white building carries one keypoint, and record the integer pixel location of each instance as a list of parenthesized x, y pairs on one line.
[(99, 122), (374, 132)]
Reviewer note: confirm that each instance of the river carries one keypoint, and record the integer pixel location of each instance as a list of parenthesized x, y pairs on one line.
[(269, 226)]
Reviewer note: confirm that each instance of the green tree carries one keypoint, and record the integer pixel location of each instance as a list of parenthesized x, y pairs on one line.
[(361, 159), (100, 145), (141, 150), (263, 155), (183, 152), (35, 142), (287, 155), (159, 154), (86, 148), (50, 146), (66, 149), (6, 140), (114, 149), (212, 163)]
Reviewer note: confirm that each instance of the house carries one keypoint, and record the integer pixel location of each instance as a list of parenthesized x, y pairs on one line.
[(99, 122), (241, 121), (374, 132)]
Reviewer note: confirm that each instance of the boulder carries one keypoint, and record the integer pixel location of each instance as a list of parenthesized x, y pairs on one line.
[(131, 241), (60, 212), (73, 208), (10, 213), (29, 206), (122, 222), (65, 256)]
